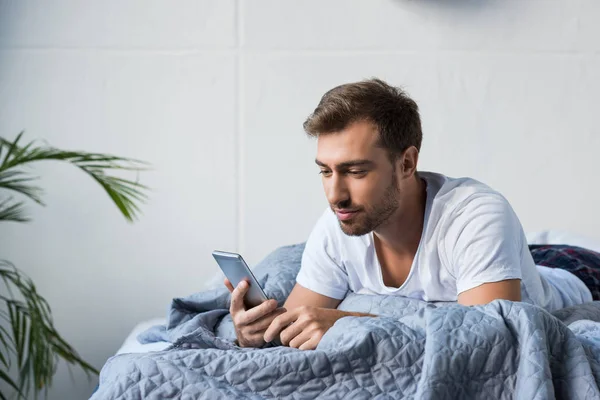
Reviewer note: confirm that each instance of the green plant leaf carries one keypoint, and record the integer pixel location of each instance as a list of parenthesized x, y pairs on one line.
[(4, 376), (4, 358), (17, 181), (125, 194), (11, 146), (12, 211), (32, 338)]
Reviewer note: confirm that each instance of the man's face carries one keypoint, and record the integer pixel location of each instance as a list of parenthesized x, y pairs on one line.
[(359, 179)]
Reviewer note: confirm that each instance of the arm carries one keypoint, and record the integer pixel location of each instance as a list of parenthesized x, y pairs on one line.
[(309, 315), (301, 296), (321, 284), (509, 289), (484, 243)]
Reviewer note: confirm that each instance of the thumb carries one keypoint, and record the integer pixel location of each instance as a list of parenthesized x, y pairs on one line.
[(228, 285), (237, 297)]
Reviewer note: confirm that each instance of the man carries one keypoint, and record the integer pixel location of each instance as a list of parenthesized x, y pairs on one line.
[(394, 231)]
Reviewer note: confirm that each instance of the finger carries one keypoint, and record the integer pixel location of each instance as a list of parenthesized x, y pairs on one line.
[(261, 324), (300, 339), (292, 331), (259, 311), (251, 340), (228, 285), (280, 323), (311, 344), (237, 298)]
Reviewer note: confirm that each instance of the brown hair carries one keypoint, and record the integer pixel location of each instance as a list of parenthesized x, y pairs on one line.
[(389, 108)]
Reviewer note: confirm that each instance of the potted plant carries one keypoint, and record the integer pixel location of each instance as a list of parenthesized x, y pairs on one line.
[(30, 345)]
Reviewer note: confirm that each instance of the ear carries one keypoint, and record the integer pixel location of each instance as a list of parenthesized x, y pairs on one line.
[(408, 162)]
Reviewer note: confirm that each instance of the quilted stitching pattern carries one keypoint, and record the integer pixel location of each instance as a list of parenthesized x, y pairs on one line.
[(502, 350)]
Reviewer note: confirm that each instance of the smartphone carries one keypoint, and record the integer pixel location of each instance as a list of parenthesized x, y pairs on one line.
[(236, 270)]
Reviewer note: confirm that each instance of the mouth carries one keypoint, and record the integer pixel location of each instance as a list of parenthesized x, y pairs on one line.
[(345, 215)]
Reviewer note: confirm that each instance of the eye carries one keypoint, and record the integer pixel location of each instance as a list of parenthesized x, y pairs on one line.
[(357, 172), (325, 172)]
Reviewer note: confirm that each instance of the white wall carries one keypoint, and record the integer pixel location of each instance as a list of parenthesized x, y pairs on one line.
[(214, 92)]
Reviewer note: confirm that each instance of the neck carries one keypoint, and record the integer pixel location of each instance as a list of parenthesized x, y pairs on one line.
[(402, 232)]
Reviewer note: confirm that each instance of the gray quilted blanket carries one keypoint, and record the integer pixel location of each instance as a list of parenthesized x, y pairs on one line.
[(502, 350)]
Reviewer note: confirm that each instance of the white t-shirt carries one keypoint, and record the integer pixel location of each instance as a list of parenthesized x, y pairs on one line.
[(471, 236)]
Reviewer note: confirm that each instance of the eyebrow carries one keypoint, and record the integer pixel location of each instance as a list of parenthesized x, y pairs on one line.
[(348, 164)]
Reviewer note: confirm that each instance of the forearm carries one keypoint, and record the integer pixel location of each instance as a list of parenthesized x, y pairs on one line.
[(355, 314), (303, 327)]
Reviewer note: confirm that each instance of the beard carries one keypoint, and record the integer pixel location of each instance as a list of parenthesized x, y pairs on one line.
[(370, 217)]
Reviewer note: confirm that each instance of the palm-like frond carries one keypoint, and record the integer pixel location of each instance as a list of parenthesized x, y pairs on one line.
[(28, 338), (123, 192), (33, 340), (11, 210), (19, 182)]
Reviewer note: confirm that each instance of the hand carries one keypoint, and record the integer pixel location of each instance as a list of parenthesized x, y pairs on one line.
[(250, 325), (303, 327)]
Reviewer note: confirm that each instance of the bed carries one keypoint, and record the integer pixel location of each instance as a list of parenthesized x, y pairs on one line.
[(132, 344), (523, 350)]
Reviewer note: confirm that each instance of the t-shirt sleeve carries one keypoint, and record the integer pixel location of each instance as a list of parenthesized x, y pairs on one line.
[(483, 242), (321, 271)]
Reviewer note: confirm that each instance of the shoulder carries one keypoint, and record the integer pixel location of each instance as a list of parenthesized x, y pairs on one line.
[(479, 219), (463, 207), (466, 197)]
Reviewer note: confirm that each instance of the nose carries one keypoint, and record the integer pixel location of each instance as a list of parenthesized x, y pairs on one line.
[(336, 190)]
